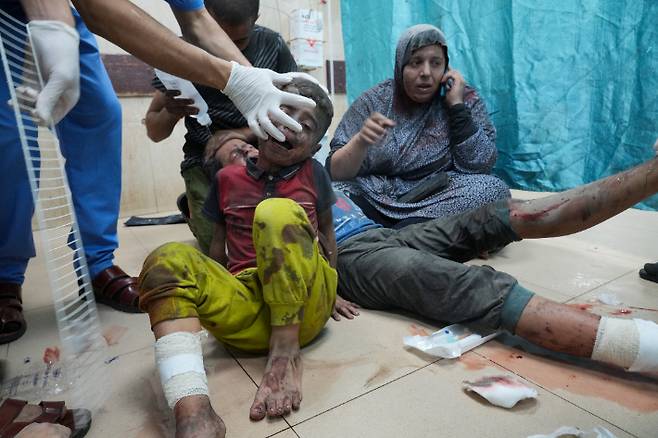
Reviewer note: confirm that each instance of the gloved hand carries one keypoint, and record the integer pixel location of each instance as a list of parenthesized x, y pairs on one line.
[(254, 93), (56, 48)]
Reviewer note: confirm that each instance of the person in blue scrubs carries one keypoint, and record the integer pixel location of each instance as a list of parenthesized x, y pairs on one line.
[(90, 141), (90, 130)]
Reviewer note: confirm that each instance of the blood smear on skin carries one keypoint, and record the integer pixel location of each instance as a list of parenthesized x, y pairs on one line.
[(581, 306)]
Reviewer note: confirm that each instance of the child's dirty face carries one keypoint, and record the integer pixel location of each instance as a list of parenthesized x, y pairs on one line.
[(235, 151), (298, 146)]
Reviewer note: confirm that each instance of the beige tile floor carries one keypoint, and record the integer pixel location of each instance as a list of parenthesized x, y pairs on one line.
[(360, 382)]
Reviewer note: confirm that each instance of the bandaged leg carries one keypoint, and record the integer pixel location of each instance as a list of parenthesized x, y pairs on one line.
[(628, 343), (179, 359)]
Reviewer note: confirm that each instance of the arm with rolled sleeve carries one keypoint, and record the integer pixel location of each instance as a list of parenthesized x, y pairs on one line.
[(473, 136), (253, 91), (351, 158), (201, 29)]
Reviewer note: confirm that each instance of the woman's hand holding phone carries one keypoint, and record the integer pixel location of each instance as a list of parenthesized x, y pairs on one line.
[(453, 84)]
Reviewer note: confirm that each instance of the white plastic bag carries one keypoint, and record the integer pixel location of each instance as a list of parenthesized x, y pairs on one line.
[(187, 91), (502, 391), (449, 342)]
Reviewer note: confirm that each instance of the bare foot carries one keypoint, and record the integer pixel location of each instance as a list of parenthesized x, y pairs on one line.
[(195, 418), (280, 391)]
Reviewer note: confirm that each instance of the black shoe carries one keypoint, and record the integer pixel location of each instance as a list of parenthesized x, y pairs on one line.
[(650, 272)]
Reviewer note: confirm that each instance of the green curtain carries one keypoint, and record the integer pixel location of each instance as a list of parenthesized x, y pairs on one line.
[(572, 86)]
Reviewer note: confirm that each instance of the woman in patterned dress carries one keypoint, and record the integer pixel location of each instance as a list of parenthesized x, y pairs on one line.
[(424, 134)]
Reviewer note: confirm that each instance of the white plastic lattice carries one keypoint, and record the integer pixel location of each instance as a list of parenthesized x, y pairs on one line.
[(82, 375)]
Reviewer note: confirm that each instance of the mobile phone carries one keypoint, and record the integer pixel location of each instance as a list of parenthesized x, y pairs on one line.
[(430, 186), (446, 87)]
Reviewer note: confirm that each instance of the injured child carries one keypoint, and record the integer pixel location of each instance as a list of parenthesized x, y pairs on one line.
[(420, 269), (275, 287)]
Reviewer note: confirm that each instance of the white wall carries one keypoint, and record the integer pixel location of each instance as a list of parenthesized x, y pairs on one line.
[(151, 179)]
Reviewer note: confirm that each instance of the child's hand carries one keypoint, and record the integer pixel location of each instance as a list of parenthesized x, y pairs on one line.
[(346, 308), (179, 107)]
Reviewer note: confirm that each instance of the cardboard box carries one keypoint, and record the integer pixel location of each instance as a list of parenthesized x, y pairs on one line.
[(306, 24), (307, 52)]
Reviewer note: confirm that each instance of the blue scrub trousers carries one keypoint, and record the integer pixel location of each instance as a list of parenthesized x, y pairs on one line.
[(90, 141)]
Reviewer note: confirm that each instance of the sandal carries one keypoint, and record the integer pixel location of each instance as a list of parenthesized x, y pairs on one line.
[(117, 289), (12, 321), (650, 272), (78, 420)]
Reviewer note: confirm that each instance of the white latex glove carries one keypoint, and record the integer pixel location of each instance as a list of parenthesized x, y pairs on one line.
[(56, 48), (655, 146), (254, 93)]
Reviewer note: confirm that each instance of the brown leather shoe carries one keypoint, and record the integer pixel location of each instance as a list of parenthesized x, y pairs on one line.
[(117, 289), (77, 420), (12, 321)]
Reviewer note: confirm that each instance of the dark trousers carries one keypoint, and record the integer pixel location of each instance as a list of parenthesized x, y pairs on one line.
[(420, 267)]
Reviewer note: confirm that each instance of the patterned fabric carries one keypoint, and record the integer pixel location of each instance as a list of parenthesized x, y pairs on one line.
[(266, 49), (420, 140)]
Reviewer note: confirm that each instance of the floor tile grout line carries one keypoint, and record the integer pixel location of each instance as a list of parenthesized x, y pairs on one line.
[(281, 431), (557, 395), (365, 393), (600, 285)]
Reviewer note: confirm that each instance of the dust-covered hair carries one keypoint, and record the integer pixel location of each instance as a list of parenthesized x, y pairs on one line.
[(324, 110), (233, 11)]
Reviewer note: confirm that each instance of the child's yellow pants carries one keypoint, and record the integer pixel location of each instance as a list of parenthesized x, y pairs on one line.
[(292, 283)]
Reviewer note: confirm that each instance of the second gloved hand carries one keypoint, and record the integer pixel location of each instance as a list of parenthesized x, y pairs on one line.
[(254, 93), (56, 48)]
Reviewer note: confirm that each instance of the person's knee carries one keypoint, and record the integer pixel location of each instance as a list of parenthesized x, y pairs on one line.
[(167, 280), (494, 188), (164, 265), (280, 211)]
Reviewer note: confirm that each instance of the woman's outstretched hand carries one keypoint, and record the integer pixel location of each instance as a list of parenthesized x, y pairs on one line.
[(375, 129)]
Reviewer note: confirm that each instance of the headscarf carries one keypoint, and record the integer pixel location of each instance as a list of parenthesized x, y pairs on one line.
[(417, 145), (414, 38)]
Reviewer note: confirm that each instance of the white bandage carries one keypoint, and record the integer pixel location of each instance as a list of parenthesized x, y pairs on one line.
[(631, 344), (179, 359), (647, 357)]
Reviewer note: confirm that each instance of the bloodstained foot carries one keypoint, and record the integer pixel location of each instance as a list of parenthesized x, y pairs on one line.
[(280, 390), (195, 418)]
